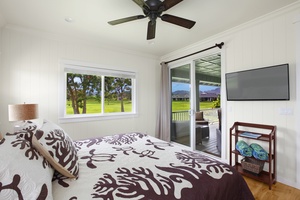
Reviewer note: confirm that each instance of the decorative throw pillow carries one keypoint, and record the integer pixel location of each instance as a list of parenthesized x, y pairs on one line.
[(24, 173), (259, 152), (58, 148)]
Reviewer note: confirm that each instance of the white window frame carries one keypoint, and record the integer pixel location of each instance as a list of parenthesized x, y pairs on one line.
[(68, 66)]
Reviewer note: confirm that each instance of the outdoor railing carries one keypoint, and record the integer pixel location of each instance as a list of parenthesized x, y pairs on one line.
[(210, 115), (180, 115)]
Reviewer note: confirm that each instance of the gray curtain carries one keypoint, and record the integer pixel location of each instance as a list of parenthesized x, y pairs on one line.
[(164, 112)]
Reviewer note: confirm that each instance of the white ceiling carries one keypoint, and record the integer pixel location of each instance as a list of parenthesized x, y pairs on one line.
[(91, 17)]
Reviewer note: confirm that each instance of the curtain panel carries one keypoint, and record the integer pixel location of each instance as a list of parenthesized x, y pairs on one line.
[(164, 112)]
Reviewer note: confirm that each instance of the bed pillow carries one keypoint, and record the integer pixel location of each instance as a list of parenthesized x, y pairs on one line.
[(58, 148), (24, 173), (258, 152)]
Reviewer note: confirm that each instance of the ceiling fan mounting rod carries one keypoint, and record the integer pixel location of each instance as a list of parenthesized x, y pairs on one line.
[(154, 4)]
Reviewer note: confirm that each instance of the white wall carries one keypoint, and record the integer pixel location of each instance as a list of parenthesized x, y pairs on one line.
[(30, 67), (266, 41), (2, 21)]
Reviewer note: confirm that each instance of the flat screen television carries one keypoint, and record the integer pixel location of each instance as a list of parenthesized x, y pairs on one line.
[(262, 84)]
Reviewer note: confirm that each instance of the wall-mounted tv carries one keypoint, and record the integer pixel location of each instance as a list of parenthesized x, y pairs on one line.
[(262, 84)]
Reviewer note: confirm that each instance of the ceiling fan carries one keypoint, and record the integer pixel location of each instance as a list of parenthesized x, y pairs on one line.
[(153, 9)]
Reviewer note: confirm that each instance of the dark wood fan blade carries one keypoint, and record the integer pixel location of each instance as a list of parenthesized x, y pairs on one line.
[(140, 3), (178, 21), (167, 4), (126, 19), (151, 30)]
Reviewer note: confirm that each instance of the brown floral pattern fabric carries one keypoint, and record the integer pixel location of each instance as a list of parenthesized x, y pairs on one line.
[(138, 166), (24, 173), (58, 148)]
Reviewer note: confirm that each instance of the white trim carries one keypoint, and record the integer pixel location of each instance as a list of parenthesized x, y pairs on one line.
[(94, 69), (91, 68), (297, 114), (192, 104), (224, 141), (287, 182), (96, 117)]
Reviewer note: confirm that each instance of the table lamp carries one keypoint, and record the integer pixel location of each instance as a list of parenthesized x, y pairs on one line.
[(22, 112)]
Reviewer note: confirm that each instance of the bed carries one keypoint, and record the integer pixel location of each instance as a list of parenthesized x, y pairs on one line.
[(122, 166)]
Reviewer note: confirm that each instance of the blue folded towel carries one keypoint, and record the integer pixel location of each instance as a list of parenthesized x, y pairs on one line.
[(244, 148), (258, 152)]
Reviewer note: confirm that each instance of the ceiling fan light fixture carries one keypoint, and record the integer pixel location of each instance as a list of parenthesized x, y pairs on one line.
[(69, 19), (151, 42)]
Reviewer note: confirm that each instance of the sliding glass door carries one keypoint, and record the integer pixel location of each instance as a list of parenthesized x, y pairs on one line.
[(181, 104), (195, 104), (208, 106)]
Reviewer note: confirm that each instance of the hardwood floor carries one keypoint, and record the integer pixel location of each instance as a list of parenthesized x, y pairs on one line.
[(279, 191), (259, 190)]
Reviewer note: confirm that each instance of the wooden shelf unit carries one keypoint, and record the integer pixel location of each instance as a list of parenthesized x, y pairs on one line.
[(267, 176)]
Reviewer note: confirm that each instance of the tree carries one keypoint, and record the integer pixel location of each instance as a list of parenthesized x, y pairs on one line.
[(118, 87), (79, 88), (217, 103), (109, 96)]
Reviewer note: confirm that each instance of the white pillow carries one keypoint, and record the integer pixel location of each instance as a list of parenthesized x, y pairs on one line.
[(58, 148), (24, 173)]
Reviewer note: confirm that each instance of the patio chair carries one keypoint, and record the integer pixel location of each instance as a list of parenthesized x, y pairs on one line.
[(200, 119), (202, 127)]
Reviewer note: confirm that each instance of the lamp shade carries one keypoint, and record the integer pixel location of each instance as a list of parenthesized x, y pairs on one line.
[(19, 112)]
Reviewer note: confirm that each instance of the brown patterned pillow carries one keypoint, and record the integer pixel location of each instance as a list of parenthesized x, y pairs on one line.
[(24, 173), (58, 148)]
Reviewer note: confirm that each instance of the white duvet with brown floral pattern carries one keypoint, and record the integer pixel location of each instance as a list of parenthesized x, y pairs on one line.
[(137, 166)]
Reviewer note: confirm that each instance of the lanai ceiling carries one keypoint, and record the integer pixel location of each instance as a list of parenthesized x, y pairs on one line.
[(209, 65), (207, 71), (88, 21)]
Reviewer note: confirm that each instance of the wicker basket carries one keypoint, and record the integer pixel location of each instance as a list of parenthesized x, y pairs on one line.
[(252, 165)]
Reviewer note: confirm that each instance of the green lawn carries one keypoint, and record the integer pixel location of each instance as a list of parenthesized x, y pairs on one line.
[(93, 106), (185, 105), (178, 106)]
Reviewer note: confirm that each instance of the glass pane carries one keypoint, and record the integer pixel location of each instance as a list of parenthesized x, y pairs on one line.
[(208, 83), (83, 94), (180, 127), (118, 95)]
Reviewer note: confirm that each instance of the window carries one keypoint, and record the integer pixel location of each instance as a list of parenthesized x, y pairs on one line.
[(90, 93)]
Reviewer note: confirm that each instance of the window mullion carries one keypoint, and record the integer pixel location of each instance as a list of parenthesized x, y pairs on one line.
[(102, 93)]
